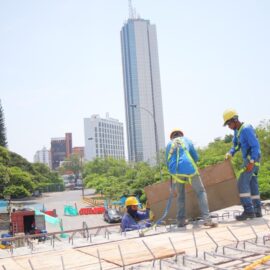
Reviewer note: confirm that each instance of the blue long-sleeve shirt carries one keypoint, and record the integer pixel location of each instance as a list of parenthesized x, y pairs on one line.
[(178, 162), (245, 139), (129, 223)]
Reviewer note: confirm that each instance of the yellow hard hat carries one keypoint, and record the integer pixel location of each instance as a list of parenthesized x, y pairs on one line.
[(131, 201), (228, 115), (176, 130)]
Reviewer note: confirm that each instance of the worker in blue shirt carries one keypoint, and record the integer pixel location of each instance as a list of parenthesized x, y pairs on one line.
[(134, 219), (181, 158), (245, 139)]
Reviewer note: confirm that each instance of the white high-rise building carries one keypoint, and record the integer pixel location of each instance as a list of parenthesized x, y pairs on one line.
[(43, 156), (143, 101), (103, 138)]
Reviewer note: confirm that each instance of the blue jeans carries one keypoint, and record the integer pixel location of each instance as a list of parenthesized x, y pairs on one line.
[(199, 189), (248, 189)]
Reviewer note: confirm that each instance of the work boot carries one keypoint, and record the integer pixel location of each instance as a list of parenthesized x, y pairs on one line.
[(210, 223), (245, 216), (182, 223), (258, 212)]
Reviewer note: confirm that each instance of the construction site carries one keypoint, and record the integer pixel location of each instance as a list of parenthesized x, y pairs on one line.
[(90, 243)]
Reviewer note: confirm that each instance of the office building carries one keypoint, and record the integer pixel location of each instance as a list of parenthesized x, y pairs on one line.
[(103, 138), (43, 156), (61, 148), (142, 89)]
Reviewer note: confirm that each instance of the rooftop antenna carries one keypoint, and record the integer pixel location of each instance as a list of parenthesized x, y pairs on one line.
[(132, 12)]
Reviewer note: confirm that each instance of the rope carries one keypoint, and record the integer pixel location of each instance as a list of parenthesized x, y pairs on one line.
[(167, 208)]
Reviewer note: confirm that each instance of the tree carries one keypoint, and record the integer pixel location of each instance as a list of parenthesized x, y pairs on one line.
[(3, 139), (73, 164)]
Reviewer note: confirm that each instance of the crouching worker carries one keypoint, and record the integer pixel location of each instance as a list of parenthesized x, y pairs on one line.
[(134, 219)]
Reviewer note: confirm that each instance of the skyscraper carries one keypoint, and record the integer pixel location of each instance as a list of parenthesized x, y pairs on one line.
[(143, 101)]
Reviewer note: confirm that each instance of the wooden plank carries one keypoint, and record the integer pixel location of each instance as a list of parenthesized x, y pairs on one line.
[(133, 251), (221, 188)]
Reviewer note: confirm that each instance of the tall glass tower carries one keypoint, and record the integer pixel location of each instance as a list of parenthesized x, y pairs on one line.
[(143, 101)]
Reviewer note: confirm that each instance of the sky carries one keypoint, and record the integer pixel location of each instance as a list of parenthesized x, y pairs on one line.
[(60, 62)]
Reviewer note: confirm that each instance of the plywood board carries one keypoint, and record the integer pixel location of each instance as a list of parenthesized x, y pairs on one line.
[(133, 251), (221, 188)]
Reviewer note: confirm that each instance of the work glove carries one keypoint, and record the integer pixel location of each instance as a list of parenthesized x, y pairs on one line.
[(228, 156), (250, 166)]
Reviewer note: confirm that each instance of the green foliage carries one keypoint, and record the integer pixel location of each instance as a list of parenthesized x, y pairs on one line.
[(16, 191), (115, 178), (3, 139), (15, 171), (19, 177), (4, 156), (18, 161)]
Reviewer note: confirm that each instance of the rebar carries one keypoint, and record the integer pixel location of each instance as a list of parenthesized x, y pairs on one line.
[(213, 240), (121, 255), (194, 240), (30, 263), (153, 255), (174, 249), (62, 262), (99, 259)]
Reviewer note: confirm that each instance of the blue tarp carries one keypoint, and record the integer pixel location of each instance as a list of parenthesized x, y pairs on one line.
[(3, 203)]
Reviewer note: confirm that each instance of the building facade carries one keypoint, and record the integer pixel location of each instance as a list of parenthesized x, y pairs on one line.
[(43, 156), (61, 148), (142, 89), (79, 151), (103, 138)]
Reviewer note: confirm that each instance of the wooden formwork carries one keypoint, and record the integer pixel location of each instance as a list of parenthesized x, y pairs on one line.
[(221, 188)]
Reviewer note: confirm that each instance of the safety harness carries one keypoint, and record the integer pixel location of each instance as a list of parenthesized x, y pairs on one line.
[(177, 144)]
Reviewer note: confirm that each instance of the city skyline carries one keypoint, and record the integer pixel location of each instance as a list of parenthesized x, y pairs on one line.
[(61, 61)]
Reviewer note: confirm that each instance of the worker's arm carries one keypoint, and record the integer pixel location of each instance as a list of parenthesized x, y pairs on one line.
[(129, 224), (253, 143), (143, 214), (235, 146)]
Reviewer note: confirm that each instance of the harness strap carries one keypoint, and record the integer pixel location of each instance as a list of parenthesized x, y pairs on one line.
[(237, 136), (177, 177)]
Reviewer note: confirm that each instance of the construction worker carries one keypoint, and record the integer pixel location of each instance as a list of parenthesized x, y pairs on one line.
[(245, 139), (132, 218), (181, 158)]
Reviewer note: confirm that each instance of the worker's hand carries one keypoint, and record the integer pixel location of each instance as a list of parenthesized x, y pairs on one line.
[(147, 206), (250, 166), (228, 156)]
